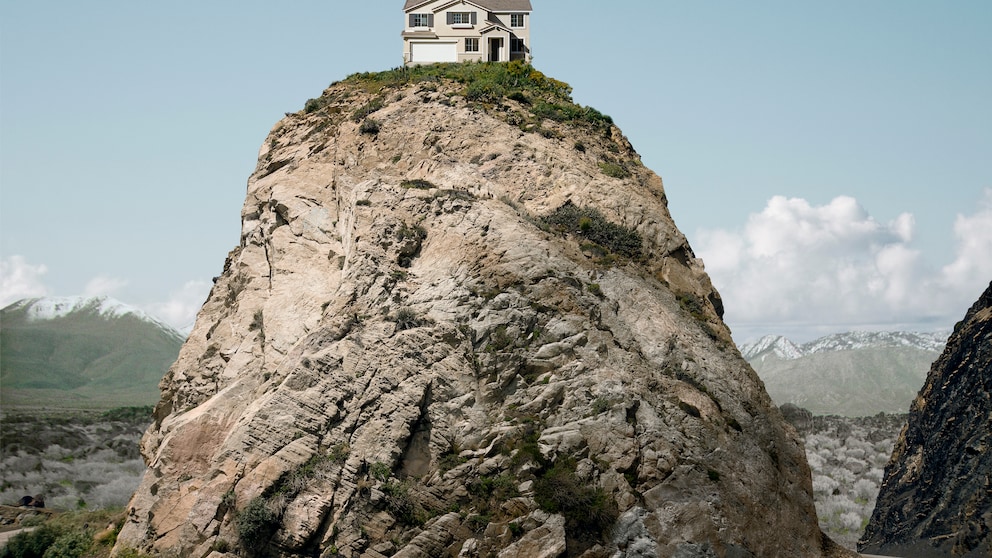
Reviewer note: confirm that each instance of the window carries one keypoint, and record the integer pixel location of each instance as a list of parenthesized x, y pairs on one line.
[(471, 45), (517, 45), (421, 20), (516, 20), (461, 19)]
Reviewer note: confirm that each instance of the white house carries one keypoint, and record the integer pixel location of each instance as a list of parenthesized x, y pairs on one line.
[(461, 30)]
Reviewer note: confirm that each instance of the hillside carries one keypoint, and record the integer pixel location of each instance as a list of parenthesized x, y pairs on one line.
[(461, 322), (851, 374), (82, 353)]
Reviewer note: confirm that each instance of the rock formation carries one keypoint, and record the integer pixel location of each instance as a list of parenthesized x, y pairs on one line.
[(936, 497), (461, 322)]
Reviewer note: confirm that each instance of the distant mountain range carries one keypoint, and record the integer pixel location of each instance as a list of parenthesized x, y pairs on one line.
[(82, 352), (851, 374)]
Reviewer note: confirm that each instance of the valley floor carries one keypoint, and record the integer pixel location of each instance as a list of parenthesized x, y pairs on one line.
[(847, 456)]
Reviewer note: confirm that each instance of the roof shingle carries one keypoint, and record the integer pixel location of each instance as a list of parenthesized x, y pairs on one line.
[(491, 5)]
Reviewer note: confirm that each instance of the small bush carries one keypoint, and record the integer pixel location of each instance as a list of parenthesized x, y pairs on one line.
[(614, 170), (406, 318), (590, 224), (600, 405), (589, 512), (256, 524), (368, 108), (369, 126), (417, 184), (312, 106), (380, 471), (485, 91)]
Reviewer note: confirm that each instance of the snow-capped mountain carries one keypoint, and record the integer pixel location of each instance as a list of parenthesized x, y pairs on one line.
[(859, 373), (82, 352), (776, 345), (53, 308), (785, 349)]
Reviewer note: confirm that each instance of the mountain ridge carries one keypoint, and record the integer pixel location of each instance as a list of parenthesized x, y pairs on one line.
[(853, 374), (785, 349), (48, 308), (82, 352)]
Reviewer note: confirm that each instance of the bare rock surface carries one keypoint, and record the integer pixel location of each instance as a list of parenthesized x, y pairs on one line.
[(404, 358), (936, 497)]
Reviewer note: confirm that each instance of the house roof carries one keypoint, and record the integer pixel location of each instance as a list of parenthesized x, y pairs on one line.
[(491, 5)]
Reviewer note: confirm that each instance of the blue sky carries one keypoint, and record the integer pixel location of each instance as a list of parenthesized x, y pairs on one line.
[(830, 161)]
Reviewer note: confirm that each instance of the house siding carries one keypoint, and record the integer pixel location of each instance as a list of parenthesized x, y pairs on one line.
[(443, 30)]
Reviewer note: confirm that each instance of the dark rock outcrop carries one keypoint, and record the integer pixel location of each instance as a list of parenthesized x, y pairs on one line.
[(936, 499)]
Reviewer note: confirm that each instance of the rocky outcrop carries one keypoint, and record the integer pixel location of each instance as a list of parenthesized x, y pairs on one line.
[(461, 322), (936, 497)]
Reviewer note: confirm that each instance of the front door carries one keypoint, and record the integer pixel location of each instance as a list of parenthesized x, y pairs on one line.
[(495, 49)]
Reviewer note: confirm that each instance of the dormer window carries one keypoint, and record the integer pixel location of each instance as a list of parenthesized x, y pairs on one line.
[(421, 20)]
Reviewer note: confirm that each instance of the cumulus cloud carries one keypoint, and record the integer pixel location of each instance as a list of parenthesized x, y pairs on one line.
[(828, 268), (973, 262), (182, 305), (20, 279)]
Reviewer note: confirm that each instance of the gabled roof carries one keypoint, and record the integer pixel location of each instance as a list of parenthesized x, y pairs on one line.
[(491, 5)]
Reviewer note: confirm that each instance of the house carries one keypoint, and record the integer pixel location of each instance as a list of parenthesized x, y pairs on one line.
[(463, 30)]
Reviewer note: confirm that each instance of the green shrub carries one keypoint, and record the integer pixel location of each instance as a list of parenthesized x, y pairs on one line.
[(369, 126), (70, 545), (256, 524), (589, 511), (485, 91), (590, 224), (31, 544), (406, 318), (380, 471), (614, 170), (417, 184), (312, 106), (693, 305), (368, 108)]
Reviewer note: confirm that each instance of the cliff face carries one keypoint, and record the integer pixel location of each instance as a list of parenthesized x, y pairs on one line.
[(461, 322), (936, 497)]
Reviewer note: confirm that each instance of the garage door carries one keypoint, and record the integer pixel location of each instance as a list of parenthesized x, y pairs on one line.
[(426, 53)]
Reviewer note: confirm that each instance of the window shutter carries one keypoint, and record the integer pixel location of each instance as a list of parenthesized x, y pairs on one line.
[(451, 17), (411, 21), (473, 18), (430, 20)]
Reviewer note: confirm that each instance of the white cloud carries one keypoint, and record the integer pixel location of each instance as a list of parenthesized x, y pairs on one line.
[(180, 309), (103, 285), (973, 263), (798, 266), (20, 279)]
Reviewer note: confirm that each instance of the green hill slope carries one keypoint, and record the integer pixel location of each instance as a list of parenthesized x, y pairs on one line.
[(82, 353), (859, 382)]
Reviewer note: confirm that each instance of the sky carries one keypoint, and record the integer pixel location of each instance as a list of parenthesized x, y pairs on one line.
[(830, 162)]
